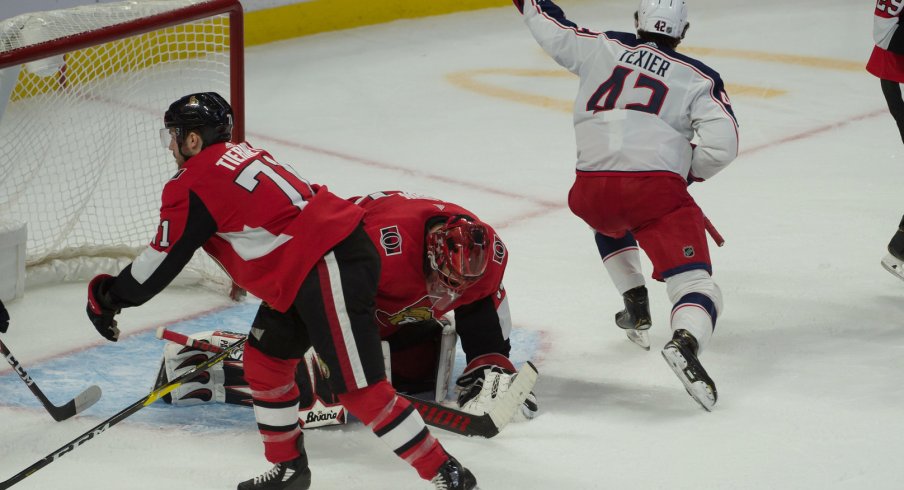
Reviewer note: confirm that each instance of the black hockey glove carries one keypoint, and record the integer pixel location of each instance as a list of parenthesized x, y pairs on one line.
[(4, 318), (101, 310)]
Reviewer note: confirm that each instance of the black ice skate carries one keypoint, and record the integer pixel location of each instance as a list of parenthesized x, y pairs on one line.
[(894, 261), (681, 354), (635, 318), (453, 476), (290, 475)]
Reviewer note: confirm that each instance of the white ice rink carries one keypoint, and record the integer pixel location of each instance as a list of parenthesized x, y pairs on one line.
[(808, 356)]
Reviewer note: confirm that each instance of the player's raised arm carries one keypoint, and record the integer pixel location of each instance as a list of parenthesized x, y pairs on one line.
[(562, 39)]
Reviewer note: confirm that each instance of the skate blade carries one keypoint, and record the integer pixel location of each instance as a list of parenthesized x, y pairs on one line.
[(639, 337), (894, 266), (698, 390)]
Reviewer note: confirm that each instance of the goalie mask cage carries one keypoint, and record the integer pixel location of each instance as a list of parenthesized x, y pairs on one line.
[(82, 96)]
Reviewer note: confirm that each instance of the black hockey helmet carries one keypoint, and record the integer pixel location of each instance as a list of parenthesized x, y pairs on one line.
[(206, 113)]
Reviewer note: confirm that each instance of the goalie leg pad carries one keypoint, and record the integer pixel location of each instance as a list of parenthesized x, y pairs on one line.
[(206, 388)]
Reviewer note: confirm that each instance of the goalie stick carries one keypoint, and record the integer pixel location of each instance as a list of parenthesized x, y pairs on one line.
[(433, 413), (99, 429), (84, 400)]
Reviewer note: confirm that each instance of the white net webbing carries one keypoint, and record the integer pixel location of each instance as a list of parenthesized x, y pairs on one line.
[(82, 162)]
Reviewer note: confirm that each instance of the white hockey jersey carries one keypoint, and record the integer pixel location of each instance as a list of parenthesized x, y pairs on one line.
[(638, 106)]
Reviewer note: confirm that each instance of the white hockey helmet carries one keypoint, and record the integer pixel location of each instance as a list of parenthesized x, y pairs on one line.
[(666, 17)]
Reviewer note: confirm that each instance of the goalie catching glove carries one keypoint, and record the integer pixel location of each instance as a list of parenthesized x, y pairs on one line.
[(484, 380)]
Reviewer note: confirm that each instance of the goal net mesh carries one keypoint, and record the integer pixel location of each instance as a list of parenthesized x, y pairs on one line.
[(83, 165)]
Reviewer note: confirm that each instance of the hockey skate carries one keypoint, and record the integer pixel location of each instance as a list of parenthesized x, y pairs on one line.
[(635, 318), (681, 354), (290, 475), (894, 265), (894, 260), (453, 476)]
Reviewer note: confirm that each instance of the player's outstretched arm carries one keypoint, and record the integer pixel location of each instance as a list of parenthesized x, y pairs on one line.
[(562, 39)]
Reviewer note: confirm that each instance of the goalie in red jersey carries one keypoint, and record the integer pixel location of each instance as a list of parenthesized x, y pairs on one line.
[(439, 258)]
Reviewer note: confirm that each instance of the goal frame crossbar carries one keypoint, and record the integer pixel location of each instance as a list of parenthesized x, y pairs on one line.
[(147, 24)]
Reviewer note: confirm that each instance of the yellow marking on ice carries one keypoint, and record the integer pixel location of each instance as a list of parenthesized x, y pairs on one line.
[(475, 81), (787, 59)]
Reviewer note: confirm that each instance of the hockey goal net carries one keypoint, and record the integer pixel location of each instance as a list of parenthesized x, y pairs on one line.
[(82, 96)]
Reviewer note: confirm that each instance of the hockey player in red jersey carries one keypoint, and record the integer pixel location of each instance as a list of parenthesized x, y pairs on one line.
[(887, 63), (640, 104), (304, 252), (438, 257)]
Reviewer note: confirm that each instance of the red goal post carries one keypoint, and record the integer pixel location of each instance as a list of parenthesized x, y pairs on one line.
[(82, 96)]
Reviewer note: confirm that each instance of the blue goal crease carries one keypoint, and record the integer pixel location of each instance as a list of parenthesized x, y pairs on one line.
[(126, 371)]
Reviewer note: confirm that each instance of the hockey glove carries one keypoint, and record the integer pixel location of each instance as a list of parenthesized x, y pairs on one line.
[(101, 310), (484, 381), (4, 318)]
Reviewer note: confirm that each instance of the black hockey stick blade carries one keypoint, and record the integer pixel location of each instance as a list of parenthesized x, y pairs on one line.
[(99, 429), (488, 424), (78, 404)]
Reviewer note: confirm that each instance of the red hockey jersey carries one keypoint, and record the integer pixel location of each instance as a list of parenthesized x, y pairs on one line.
[(396, 222), (262, 222), (882, 62)]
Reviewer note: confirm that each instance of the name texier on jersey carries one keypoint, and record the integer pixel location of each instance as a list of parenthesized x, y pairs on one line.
[(262, 222), (638, 105)]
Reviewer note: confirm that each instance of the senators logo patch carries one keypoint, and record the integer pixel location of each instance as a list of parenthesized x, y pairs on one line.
[(498, 250), (419, 311), (391, 240)]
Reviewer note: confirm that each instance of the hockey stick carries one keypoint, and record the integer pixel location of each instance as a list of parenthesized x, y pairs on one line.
[(488, 424), (84, 400), (713, 232), (151, 397), (433, 413)]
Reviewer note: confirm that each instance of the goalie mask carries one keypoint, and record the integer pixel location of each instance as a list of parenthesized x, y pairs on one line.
[(665, 17), (206, 113), (457, 252)]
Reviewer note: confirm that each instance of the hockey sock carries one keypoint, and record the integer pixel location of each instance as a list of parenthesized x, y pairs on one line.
[(621, 256), (275, 395), (696, 313), (395, 421)]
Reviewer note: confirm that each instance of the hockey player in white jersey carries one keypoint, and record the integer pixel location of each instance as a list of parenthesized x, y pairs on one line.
[(640, 104)]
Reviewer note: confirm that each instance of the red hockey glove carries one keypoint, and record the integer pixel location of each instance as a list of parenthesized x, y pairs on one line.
[(101, 310)]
